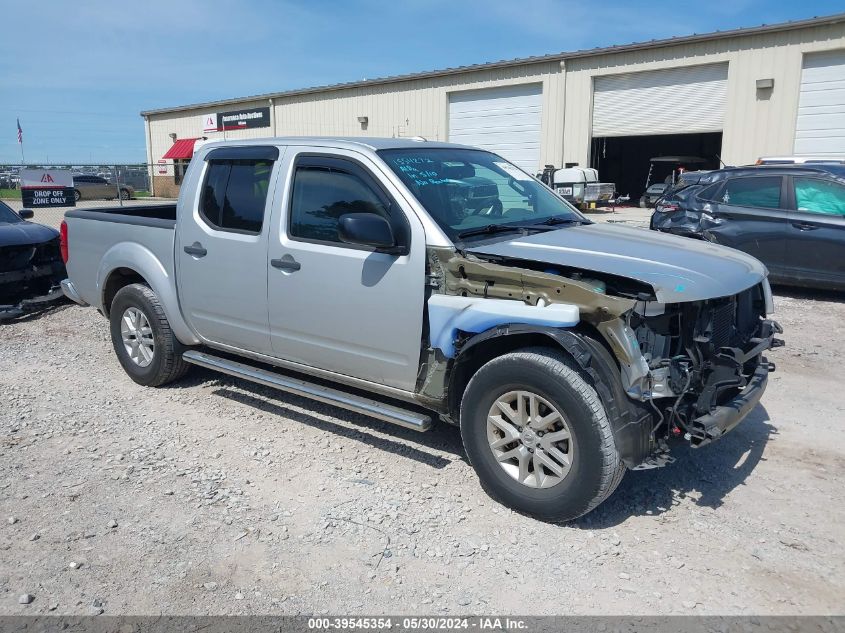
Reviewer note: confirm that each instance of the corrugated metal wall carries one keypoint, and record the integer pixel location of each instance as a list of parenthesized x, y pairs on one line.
[(756, 123)]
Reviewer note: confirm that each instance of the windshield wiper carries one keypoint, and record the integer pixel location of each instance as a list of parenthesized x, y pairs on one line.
[(559, 219), (489, 230)]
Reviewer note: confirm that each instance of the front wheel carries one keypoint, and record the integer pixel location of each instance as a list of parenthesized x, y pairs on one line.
[(538, 436), (143, 341)]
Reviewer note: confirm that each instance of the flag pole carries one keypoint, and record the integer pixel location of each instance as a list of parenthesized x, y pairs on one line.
[(20, 141)]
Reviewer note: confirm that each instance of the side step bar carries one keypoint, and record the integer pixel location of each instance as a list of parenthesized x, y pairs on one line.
[(388, 413)]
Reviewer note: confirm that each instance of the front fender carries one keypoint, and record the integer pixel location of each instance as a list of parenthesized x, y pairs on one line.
[(142, 260)]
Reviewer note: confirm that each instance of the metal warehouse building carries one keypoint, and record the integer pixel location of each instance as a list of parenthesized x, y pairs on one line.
[(731, 95)]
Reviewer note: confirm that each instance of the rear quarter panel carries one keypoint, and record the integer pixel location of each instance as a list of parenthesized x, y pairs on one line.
[(98, 248)]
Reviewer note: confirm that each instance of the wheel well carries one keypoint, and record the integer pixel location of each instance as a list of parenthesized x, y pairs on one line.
[(478, 355), (119, 278)]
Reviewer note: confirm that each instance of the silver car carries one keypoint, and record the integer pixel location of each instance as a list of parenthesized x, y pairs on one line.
[(98, 188)]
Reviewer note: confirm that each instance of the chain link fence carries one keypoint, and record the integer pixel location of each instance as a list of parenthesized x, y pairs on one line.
[(100, 185)]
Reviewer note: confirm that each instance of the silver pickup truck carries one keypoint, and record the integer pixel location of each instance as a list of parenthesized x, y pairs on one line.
[(415, 281)]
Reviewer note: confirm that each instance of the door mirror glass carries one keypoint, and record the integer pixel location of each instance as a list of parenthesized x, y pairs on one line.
[(366, 229), (26, 214)]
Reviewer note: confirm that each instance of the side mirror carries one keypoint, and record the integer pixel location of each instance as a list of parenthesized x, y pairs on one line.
[(366, 229), (26, 214)]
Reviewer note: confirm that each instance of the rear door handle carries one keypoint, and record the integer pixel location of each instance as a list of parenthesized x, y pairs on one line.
[(286, 263), (196, 250), (804, 226)]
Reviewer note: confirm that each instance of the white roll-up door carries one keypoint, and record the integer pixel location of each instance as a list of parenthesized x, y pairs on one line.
[(672, 101), (820, 127), (503, 120)]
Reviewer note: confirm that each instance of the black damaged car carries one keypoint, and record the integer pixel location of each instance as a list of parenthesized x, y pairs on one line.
[(31, 266), (790, 217)]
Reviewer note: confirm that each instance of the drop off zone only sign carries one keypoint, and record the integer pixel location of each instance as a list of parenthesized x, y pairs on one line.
[(42, 188)]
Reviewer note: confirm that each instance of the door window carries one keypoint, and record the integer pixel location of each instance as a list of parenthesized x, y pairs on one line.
[(761, 192), (325, 189), (235, 194), (819, 196)]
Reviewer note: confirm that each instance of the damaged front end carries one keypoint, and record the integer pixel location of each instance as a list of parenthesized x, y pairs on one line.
[(30, 277), (705, 360), (688, 370)]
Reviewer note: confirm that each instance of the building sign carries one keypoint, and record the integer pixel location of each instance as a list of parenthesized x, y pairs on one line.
[(236, 120), (162, 167), (209, 123), (42, 188)]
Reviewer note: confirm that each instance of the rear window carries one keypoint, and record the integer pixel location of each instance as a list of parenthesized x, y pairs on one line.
[(235, 193)]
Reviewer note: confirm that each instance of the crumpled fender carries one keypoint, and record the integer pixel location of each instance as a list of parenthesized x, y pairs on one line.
[(143, 261)]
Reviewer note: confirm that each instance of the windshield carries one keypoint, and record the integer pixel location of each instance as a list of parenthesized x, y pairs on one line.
[(466, 191), (7, 216)]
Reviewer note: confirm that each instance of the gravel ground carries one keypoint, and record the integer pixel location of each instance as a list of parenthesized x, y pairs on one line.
[(214, 496)]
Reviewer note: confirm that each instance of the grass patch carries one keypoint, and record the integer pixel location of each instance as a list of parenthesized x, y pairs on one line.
[(13, 194)]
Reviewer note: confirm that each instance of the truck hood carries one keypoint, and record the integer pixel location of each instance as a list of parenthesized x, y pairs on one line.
[(19, 233), (678, 268)]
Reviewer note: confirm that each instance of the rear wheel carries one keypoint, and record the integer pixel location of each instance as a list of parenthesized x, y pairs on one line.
[(538, 436), (124, 194), (143, 341), (76, 195)]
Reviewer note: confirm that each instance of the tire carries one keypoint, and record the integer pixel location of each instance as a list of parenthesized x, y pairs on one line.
[(164, 363), (595, 468), (124, 194), (76, 195)]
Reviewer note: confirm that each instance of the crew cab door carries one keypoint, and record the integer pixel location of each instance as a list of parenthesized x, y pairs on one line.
[(221, 247), (340, 307), (816, 240), (753, 218)]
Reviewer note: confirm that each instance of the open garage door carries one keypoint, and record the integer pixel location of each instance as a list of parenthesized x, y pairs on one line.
[(820, 127), (503, 120), (671, 101), (639, 116)]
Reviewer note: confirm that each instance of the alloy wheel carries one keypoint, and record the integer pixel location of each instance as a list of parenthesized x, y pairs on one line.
[(530, 439)]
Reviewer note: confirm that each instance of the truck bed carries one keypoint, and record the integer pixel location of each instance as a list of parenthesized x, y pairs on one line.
[(105, 238), (158, 215)]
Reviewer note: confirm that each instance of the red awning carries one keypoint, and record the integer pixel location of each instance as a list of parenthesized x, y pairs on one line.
[(183, 148)]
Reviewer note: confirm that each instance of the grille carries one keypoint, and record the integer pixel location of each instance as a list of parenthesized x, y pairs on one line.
[(25, 255), (16, 257)]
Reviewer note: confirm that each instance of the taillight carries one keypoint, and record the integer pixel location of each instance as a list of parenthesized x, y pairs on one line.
[(63, 241), (667, 208)]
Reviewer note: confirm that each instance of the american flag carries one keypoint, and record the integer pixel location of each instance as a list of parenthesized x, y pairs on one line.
[(20, 133)]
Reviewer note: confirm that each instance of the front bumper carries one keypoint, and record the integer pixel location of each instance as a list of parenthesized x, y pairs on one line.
[(722, 419), (13, 311)]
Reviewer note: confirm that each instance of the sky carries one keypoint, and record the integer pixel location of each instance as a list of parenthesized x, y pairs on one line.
[(77, 74)]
